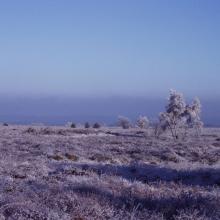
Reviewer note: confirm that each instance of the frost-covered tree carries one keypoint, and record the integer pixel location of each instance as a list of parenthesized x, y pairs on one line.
[(196, 107), (124, 122), (172, 118), (192, 114), (178, 116), (143, 122)]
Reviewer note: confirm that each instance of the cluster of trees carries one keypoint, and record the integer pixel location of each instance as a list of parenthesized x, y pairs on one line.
[(178, 117)]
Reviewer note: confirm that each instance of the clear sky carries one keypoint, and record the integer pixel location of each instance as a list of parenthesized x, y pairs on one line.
[(109, 47)]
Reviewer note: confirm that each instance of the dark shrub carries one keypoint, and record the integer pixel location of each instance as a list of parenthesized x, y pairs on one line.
[(46, 131), (61, 132), (5, 124), (73, 125), (96, 125), (87, 125), (55, 157), (30, 130), (71, 157)]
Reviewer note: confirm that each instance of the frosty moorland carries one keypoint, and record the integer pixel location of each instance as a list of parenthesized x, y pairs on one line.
[(166, 171)]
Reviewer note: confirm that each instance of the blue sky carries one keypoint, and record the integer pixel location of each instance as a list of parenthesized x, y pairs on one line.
[(109, 48)]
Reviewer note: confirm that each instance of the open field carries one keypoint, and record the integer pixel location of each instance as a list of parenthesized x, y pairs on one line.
[(109, 173)]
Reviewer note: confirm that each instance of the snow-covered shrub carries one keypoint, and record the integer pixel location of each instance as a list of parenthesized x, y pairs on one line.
[(124, 122), (142, 122), (192, 114)]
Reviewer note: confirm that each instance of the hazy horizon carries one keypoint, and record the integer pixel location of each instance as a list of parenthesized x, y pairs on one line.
[(58, 111)]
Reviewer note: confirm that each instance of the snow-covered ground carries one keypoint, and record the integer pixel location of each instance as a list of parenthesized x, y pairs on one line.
[(109, 173)]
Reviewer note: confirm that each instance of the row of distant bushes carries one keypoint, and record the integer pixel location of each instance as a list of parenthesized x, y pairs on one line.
[(124, 122), (86, 125)]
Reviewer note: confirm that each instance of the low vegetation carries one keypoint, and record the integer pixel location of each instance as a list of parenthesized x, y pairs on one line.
[(109, 173), (96, 172), (97, 125), (87, 125), (143, 122), (124, 122)]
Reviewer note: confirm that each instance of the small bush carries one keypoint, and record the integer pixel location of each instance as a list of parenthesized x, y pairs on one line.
[(71, 125), (30, 130), (143, 122), (5, 124), (87, 125), (96, 125), (71, 157), (61, 132), (124, 122), (46, 131), (192, 115)]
